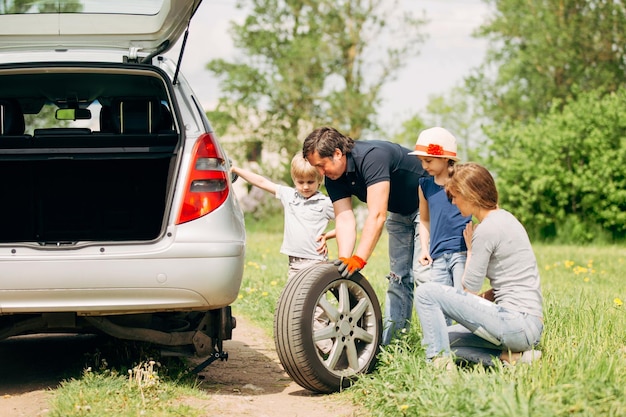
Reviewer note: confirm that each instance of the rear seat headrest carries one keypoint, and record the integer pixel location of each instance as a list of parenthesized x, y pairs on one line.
[(106, 119), (166, 119), (11, 117), (136, 115)]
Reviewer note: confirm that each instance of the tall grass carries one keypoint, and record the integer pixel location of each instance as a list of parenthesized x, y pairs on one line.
[(582, 371), (107, 392)]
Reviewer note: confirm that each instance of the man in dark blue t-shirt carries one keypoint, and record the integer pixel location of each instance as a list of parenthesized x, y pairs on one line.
[(384, 176)]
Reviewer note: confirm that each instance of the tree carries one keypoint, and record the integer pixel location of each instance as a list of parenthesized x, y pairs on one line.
[(407, 135), (564, 175), (305, 63), (545, 52), (456, 111)]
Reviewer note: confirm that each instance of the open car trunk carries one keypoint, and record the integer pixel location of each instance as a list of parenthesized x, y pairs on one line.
[(103, 178)]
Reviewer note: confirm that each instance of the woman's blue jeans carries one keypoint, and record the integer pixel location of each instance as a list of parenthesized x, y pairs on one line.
[(405, 270), (484, 328)]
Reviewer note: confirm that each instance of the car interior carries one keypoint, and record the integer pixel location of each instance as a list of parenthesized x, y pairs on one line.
[(104, 181)]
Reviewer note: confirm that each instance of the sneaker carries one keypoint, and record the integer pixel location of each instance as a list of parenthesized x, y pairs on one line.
[(527, 357), (444, 363), (530, 356)]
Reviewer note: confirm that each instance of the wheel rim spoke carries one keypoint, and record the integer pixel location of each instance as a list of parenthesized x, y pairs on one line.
[(351, 352), (325, 333), (344, 298), (330, 310), (361, 307), (335, 355), (362, 334)]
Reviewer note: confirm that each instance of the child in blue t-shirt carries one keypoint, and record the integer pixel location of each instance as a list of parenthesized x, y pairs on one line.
[(441, 222)]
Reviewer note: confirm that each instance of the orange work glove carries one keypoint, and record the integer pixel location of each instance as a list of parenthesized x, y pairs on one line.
[(348, 266)]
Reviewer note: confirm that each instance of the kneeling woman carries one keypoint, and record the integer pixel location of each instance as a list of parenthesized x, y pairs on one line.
[(504, 322)]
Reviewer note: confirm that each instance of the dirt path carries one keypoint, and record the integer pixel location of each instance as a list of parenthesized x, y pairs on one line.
[(250, 383), (30, 366)]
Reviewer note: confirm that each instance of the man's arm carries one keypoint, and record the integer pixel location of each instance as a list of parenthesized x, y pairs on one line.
[(255, 179), (377, 202), (345, 227)]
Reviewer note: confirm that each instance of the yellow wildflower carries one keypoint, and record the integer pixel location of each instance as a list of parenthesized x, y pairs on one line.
[(618, 302), (253, 264)]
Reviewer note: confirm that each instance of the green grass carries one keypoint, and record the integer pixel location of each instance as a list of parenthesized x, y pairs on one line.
[(108, 393), (582, 372)]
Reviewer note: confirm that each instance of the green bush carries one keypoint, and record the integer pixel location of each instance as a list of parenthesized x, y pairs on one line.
[(564, 175)]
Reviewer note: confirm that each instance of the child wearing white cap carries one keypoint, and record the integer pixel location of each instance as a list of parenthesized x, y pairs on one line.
[(441, 223)]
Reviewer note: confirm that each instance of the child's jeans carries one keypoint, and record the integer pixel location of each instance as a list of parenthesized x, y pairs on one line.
[(448, 269)]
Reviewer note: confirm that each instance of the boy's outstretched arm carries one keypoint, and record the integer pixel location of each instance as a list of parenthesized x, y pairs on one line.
[(255, 179)]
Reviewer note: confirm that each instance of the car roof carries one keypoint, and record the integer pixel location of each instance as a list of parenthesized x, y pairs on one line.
[(144, 27)]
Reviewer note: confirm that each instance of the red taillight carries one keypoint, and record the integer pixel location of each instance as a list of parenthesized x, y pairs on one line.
[(207, 186)]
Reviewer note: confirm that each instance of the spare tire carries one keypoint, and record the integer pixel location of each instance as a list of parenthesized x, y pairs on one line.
[(327, 328)]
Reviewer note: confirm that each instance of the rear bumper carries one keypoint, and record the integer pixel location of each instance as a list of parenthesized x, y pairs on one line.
[(120, 280)]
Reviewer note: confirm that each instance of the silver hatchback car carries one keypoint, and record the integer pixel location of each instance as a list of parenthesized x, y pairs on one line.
[(118, 214)]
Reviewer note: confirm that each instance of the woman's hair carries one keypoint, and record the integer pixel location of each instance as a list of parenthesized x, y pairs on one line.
[(475, 184), (300, 168), (325, 140)]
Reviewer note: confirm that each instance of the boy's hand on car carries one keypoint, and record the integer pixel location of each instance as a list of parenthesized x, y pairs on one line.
[(348, 266)]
